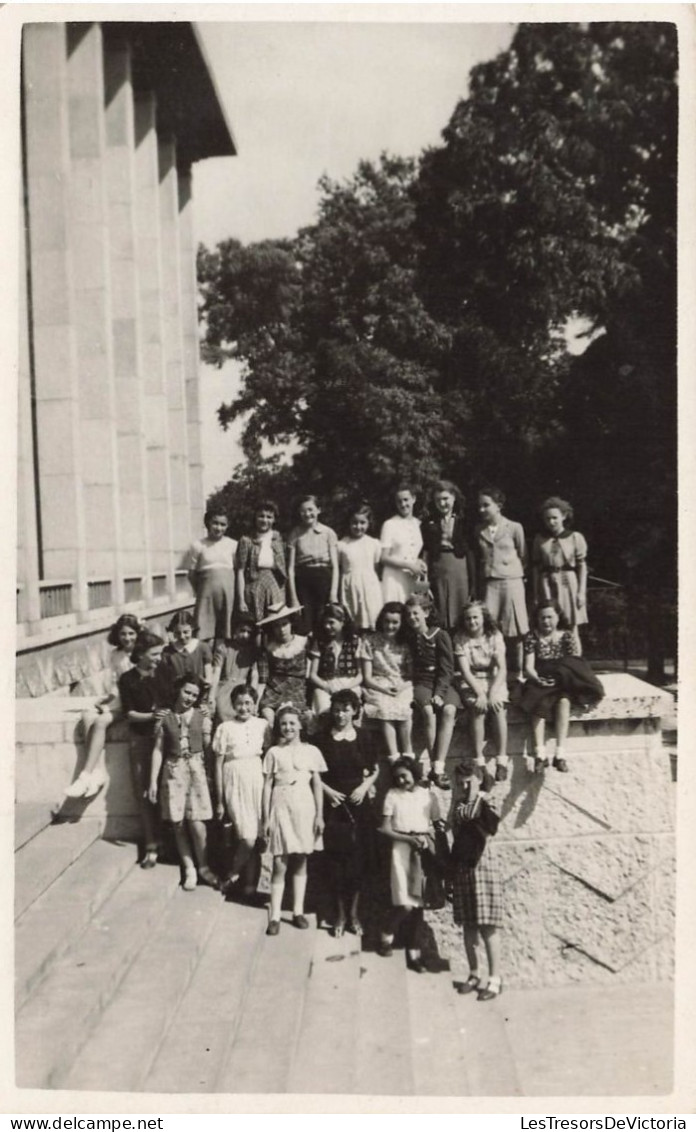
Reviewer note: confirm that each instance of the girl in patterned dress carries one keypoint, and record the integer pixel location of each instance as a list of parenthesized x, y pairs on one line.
[(210, 564), (560, 564), (477, 884), (334, 657), (238, 745), (359, 554), (292, 813), (184, 798), (122, 635), (555, 676), (479, 653), (260, 561), (387, 669), (282, 663), (433, 694)]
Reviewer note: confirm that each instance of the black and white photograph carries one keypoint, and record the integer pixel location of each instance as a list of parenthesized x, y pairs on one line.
[(346, 663)]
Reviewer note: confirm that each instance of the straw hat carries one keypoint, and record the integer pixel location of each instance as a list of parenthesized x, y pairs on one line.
[(278, 613)]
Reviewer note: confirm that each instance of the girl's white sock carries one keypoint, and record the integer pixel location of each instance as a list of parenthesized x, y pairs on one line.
[(299, 887), (276, 904)]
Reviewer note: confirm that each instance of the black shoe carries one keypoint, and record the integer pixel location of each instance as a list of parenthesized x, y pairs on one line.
[(273, 928), (501, 772), (416, 965), (300, 921), (440, 780), (385, 949)]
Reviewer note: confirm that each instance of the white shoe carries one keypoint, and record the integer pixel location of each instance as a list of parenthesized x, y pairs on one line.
[(79, 787), (95, 781)]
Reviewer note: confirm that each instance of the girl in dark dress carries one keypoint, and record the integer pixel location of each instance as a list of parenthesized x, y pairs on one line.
[(450, 559), (352, 771)]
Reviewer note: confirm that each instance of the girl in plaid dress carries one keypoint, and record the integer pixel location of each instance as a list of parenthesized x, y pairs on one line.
[(183, 792), (478, 888)]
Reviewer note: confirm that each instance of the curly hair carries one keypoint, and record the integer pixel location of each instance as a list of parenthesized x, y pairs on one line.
[(562, 505), (549, 603), (392, 607), (125, 621), (493, 493), (346, 697), (490, 625)]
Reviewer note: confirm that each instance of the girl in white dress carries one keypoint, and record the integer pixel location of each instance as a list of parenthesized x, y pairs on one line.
[(358, 558), (238, 745), (402, 546), (409, 814), (293, 816)]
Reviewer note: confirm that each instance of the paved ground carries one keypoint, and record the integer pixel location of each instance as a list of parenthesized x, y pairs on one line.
[(125, 982)]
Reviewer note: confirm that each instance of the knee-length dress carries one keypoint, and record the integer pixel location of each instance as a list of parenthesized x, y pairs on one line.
[(183, 789), (485, 656), (241, 745), (451, 567), (578, 683), (283, 669), (400, 538), (359, 586), (557, 559), (503, 560), (292, 809), (212, 563), (391, 664), (477, 893), (411, 811), (348, 763)]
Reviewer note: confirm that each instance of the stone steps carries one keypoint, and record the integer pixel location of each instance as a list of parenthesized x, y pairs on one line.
[(57, 1019), (42, 859), (61, 913), (29, 819)]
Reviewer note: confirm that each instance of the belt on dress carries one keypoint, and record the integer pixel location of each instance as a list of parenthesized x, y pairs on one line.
[(186, 755)]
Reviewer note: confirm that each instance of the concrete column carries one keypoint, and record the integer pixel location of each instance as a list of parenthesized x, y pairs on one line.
[(27, 515), (92, 291), (125, 330), (189, 326), (173, 344), (151, 323), (52, 306)]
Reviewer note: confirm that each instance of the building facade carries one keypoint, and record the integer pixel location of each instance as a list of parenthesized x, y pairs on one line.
[(110, 468)]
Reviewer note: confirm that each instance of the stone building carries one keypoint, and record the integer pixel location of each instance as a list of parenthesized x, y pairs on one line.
[(110, 490)]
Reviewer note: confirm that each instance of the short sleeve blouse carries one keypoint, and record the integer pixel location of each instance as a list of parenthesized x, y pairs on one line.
[(551, 648), (298, 760), (313, 547)]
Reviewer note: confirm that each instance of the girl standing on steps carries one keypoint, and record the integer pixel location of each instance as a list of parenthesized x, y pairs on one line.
[(478, 889), (312, 564), (183, 793), (360, 591), (292, 813), (503, 557), (122, 635), (409, 814), (210, 565), (352, 772), (560, 564), (238, 745), (261, 572)]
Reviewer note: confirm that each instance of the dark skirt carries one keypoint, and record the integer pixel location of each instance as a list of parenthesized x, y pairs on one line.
[(451, 586), (575, 681)]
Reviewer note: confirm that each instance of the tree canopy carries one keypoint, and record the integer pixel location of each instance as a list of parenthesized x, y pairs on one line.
[(416, 329)]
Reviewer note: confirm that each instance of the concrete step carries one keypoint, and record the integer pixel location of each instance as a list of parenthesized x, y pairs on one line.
[(490, 1063), (195, 1048), (29, 819), (57, 918), (263, 1049), (127, 1035), (57, 1019), (384, 1065), (324, 1060), (46, 856), (440, 1065)]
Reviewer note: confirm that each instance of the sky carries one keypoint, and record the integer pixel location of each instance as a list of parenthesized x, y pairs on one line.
[(305, 99)]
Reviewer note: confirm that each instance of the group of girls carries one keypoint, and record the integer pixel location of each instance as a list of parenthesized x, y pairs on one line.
[(286, 633)]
